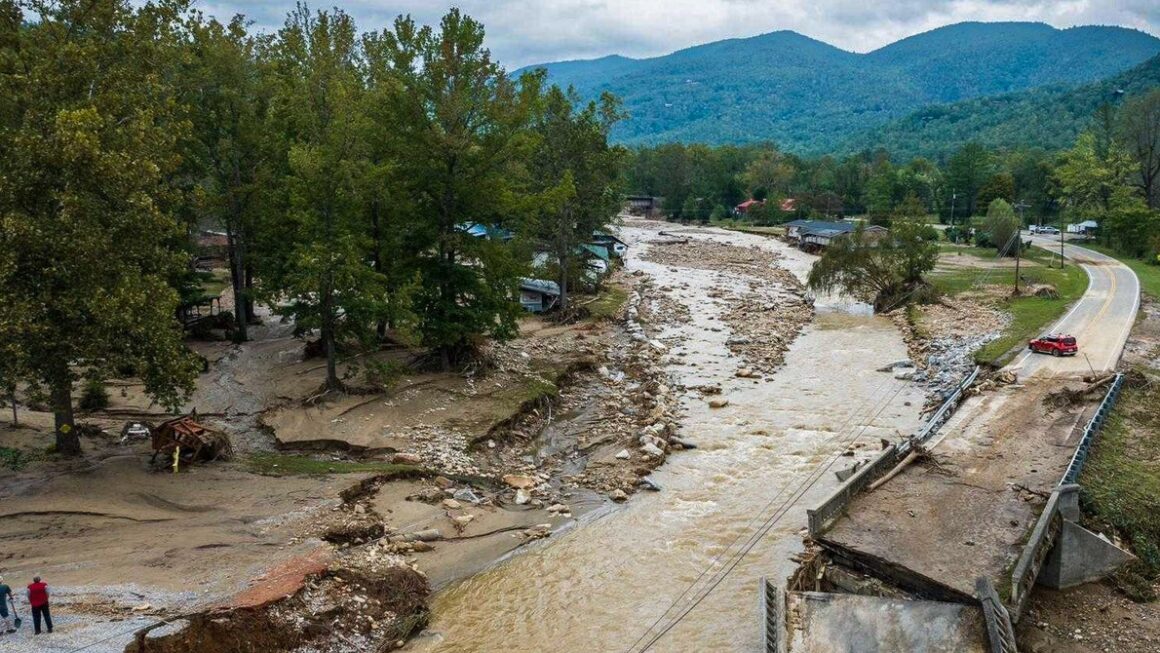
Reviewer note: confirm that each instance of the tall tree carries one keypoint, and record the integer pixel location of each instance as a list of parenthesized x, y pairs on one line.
[(967, 171), (1002, 225), (1139, 130), (466, 137), (578, 173), (320, 266), (229, 97), (89, 137)]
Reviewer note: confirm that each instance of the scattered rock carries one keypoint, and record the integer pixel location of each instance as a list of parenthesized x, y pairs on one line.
[(623, 454), (520, 482), (718, 403), (618, 495)]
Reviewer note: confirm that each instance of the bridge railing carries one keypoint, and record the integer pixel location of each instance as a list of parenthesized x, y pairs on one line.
[(1092, 431), (823, 517)]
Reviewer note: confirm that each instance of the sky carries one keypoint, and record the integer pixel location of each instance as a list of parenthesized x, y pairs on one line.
[(523, 32)]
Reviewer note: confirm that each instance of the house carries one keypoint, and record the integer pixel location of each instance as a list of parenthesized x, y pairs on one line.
[(1086, 228), (615, 246), (596, 259), (744, 207), (788, 205), (538, 295), (490, 232), (643, 204), (812, 235)]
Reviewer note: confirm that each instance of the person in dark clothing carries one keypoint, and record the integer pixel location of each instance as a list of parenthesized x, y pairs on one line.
[(38, 599), (5, 599)]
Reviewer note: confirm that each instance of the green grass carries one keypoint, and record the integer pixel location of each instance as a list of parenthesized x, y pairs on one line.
[(214, 283), (607, 303), (749, 228), (292, 465), (1030, 315), (1121, 480), (16, 459), (1148, 273)]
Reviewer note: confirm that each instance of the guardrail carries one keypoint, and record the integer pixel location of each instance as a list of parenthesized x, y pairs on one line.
[(823, 517), (773, 635), (1050, 521), (1092, 431)]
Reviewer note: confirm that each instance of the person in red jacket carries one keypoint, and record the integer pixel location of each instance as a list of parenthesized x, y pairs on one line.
[(38, 599)]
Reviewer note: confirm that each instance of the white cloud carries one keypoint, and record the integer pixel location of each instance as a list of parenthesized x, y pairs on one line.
[(521, 32)]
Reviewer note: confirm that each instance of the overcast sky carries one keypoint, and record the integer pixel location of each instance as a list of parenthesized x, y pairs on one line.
[(521, 32)]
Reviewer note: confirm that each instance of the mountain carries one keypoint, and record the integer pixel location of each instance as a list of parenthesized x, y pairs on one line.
[(1048, 117), (811, 97)]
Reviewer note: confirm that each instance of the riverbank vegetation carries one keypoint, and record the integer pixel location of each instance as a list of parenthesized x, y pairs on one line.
[(386, 186)]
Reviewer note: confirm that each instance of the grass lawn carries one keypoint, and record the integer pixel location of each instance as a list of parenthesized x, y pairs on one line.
[(288, 465), (1121, 480), (1030, 315), (607, 303), (748, 228), (1149, 274)]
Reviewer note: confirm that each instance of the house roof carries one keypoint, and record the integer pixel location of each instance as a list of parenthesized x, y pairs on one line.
[(747, 203), (600, 236), (491, 232), (817, 225), (541, 286), (597, 251)]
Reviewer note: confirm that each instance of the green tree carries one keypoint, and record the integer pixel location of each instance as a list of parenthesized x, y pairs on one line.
[(1139, 130), (968, 169), (1093, 182), (318, 273), (1000, 186), (1001, 226), (578, 173), (467, 139), (226, 87), (90, 138), (884, 270)]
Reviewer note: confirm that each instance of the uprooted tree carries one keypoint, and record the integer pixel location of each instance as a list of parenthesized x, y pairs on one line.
[(883, 269), (89, 137)]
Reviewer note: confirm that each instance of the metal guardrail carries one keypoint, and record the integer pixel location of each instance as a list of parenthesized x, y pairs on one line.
[(773, 635), (1092, 431), (823, 517), (1000, 631)]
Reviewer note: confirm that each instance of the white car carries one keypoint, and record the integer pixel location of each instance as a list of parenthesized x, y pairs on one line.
[(1049, 231)]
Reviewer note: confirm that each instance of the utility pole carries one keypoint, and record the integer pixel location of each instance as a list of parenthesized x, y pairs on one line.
[(953, 196), (1019, 242), (1061, 230)]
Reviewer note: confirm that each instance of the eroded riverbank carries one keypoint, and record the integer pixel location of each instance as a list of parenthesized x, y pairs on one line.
[(600, 586)]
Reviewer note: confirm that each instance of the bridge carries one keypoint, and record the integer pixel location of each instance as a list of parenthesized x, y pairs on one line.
[(952, 529)]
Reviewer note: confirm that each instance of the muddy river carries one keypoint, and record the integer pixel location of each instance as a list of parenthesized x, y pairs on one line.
[(602, 585)]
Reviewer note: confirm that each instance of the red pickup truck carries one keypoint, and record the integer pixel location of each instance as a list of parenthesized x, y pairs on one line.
[(1055, 344)]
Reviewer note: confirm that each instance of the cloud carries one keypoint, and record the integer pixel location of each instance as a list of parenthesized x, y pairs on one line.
[(522, 32)]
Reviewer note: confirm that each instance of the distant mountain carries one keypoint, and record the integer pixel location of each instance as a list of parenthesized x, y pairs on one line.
[(811, 97), (1048, 117)]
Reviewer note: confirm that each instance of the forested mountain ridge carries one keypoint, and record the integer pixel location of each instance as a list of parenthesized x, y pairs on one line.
[(1049, 117), (811, 97)]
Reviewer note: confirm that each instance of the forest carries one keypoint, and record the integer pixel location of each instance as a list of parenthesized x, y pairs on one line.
[(1110, 173), (344, 168)]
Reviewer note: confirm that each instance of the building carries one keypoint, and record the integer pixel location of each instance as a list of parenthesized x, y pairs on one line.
[(490, 232), (812, 235), (538, 295), (746, 206), (615, 246), (643, 204)]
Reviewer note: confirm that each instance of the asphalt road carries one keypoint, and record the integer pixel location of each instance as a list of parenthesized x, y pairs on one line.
[(1100, 320)]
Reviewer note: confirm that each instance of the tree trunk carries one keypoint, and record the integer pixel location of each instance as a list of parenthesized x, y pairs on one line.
[(563, 261), (68, 442), (12, 398), (238, 283), (377, 261), (327, 336), (251, 315)]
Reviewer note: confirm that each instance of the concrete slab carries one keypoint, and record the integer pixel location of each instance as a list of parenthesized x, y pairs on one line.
[(849, 623), (1080, 556)]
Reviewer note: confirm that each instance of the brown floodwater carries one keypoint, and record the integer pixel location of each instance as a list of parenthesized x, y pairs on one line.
[(600, 586)]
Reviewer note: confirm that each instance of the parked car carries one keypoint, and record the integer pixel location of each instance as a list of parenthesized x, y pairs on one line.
[(1054, 344), (1048, 231)]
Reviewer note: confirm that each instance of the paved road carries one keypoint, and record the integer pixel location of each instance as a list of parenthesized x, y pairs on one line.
[(1100, 320)]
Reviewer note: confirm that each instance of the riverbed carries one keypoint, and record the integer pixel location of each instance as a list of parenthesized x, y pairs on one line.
[(604, 584)]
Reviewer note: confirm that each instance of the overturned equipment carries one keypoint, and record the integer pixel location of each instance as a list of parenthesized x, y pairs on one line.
[(183, 438)]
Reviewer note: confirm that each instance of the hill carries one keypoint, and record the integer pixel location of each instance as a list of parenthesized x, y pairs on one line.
[(810, 97), (1048, 117)]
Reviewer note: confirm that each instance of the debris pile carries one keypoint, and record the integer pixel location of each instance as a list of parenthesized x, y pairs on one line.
[(943, 338)]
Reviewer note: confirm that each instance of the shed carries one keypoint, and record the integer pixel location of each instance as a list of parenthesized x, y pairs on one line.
[(490, 232), (643, 204), (538, 295), (746, 206)]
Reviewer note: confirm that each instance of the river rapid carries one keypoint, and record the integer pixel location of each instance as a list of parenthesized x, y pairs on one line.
[(600, 586)]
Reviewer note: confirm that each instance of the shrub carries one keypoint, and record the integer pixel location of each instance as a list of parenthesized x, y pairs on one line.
[(94, 396)]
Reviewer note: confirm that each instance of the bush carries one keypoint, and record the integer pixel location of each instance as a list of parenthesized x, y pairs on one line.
[(94, 396), (384, 375)]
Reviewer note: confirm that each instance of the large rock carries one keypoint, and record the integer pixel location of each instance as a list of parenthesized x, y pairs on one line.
[(519, 481), (652, 451)]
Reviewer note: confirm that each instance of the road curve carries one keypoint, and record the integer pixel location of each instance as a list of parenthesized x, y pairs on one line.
[(1100, 320)]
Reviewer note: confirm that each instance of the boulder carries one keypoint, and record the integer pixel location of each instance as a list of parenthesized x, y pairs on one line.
[(623, 455), (718, 403), (407, 459), (523, 497), (618, 495), (652, 451), (520, 482)]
